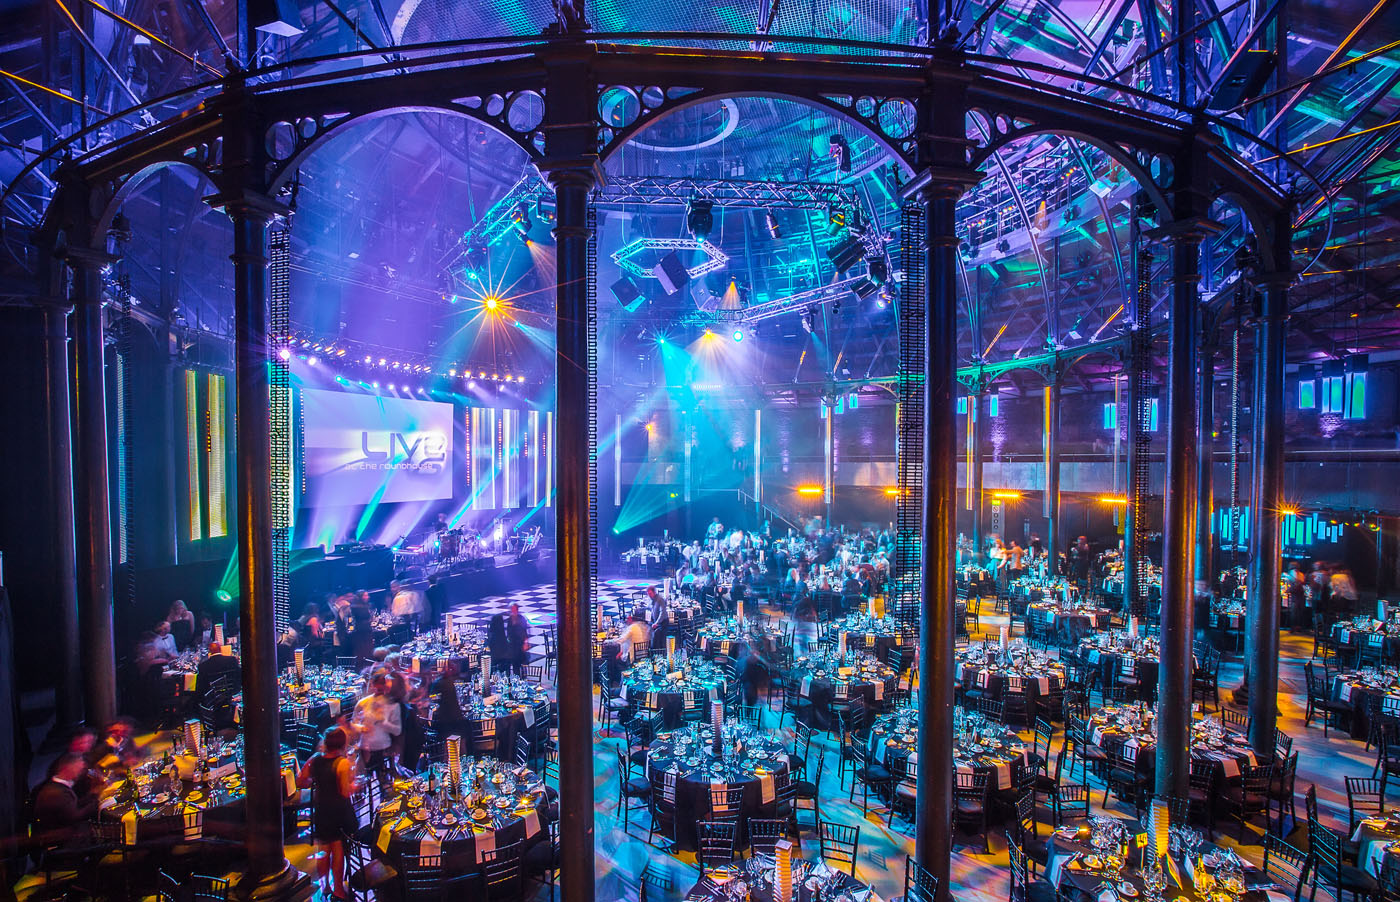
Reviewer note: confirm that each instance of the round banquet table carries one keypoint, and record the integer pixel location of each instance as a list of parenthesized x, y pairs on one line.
[(433, 651), (512, 708), (1109, 654), (1069, 854), (1227, 615), (151, 809), (1366, 691), (724, 636), (811, 881), (1115, 729), (495, 804), (980, 747), (828, 680), (992, 675), (876, 635), (651, 685), (324, 694), (688, 753), (1347, 633), (1068, 621), (1377, 839)]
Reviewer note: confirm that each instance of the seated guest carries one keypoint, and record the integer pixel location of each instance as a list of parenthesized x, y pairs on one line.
[(635, 634), (165, 641), (217, 666), (81, 743), (805, 631), (204, 633), (116, 750), (751, 671), (60, 814)]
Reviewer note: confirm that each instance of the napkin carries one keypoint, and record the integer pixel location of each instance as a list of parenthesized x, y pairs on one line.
[(106, 803), (770, 792), (429, 845), (129, 827), (188, 681), (333, 704), (289, 780), (529, 716), (806, 689), (485, 842), (532, 823), (879, 690), (382, 842)]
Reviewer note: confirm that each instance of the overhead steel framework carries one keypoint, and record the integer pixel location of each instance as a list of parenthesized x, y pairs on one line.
[(250, 133)]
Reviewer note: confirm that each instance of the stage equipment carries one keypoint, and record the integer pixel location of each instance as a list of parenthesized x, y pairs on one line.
[(700, 218), (846, 253), (627, 294), (671, 273)]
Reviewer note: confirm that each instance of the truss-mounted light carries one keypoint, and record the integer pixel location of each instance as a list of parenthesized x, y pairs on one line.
[(625, 258)]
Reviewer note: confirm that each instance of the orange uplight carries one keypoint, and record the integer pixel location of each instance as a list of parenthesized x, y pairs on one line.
[(893, 493), (1113, 499), (810, 490), (491, 302), (1289, 511), (1009, 496)]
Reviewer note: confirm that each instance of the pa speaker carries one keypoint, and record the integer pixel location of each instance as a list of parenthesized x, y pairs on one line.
[(671, 273), (627, 294)]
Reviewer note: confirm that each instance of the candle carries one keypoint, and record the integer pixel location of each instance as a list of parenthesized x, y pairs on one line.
[(870, 605), (485, 672), (454, 759), (1003, 637), (782, 880), (194, 732)]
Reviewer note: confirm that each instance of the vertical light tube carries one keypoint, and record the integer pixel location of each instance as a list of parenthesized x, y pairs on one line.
[(548, 455), (192, 454), (536, 449), (758, 455), (685, 438), (617, 460), (215, 449)]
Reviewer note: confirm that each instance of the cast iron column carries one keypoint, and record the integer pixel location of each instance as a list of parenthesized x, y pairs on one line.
[(68, 651), (268, 870), (1130, 514), (1266, 495), (1051, 451), (1178, 546), (976, 408), (939, 192), (574, 533), (1205, 474), (92, 507)]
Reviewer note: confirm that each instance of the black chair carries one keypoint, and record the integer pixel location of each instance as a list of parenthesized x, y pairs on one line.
[(541, 860), (1122, 778), (663, 805), (630, 788), (1282, 790), (764, 834), (1200, 797), (810, 793), (726, 804), (839, 845), (1249, 797), (1024, 888), (870, 775), (503, 873), (919, 884), (716, 845), (421, 878), (1365, 798), (1320, 700), (1027, 831), (904, 781), (971, 804), (1285, 865), (1326, 849)]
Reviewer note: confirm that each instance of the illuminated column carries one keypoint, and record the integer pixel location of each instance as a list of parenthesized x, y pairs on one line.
[(1050, 446), (1179, 538), (92, 504), (1266, 497)]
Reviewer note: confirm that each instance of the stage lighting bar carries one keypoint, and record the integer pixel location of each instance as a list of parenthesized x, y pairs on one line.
[(800, 301), (624, 190), (717, 259)]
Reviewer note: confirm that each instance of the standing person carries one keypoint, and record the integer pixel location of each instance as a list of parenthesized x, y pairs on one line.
[(181, 625), (448, 717), (332, 780), (518, 636), (498, 644), (377, 721), (361, 627), (1297, 591), (437, 600), (1014, 561), (1343, 589)]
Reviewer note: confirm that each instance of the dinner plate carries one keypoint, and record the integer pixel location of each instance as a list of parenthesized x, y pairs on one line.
[(196, 796), (1092, 861), (420, 814), (160, 798), (1127, 889), (504, 802)]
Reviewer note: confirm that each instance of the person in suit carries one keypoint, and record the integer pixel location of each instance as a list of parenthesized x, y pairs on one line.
[(60, 814), (218, 665)]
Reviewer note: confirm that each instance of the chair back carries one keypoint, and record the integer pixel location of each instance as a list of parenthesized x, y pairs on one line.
[(920, 885), (1365, 798), (1284, 864), (501, 871), (840, 844), (764, 834), (726, 803), (716, 844), (421, 877)]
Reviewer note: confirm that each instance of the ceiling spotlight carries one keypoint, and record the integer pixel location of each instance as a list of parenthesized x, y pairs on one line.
[(471, 384), (775, 229), (700, 218), (841, 153), (452, 371), (738, 334), (836, 307), (809, 319), (286, 354), (476, 261), (491, 302), (521, 219), (835, 219), (879, 270), (846, 254)]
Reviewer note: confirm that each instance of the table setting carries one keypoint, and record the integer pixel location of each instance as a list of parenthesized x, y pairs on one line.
[(729, 636), (979, 745), (1110, 649), (748, 757), (1131, 731), (432, 651), (1070, 619), (512, 704), (830, 677), (1364, 689), (319, 696), (991, 669), (1354, 633), (876, 635), (756, 879), (659, 685), (487, 805)]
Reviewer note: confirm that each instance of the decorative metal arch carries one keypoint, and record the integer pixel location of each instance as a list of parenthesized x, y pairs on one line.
[(889, 120)]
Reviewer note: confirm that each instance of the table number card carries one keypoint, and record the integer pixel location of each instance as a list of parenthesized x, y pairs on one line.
[(739, 612), (219, 633), (301, 665), (717, 724), (194, 732), (841, 644)]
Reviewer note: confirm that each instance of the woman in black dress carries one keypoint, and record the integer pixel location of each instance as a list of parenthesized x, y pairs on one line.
[(498, 645), (332, 780)]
